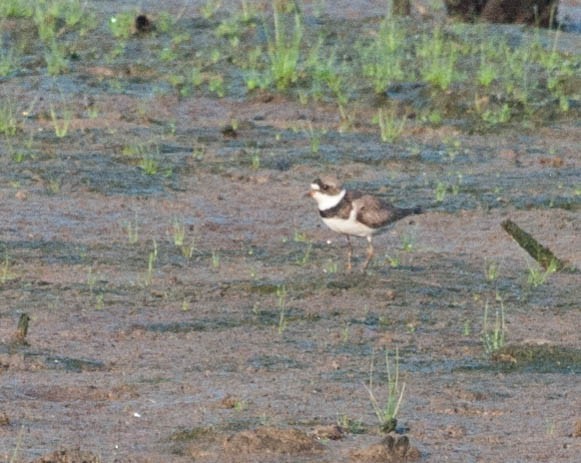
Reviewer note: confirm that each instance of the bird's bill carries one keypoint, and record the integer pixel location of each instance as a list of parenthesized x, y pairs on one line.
[(313, 190)]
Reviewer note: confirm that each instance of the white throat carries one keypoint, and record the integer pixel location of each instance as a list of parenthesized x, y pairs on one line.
[(328, 201)]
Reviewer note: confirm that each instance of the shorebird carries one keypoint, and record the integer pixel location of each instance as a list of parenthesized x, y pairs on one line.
[(353, 213)]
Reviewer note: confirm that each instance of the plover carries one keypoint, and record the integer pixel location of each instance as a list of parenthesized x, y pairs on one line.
[(353, 213)]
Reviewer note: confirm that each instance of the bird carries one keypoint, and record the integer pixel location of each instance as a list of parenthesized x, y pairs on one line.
[(353, 213)]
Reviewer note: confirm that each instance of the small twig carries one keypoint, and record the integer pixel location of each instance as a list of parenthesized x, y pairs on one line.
[(22, 329), (543, 255)]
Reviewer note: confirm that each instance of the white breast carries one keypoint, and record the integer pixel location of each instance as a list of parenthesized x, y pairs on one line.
[(349, 226)]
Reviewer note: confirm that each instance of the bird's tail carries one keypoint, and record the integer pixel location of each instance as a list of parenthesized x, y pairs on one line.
[(416, 210), (411, 211)]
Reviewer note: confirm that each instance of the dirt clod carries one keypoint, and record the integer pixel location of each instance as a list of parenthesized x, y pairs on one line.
[(271, 440), (391, 449), (230, 401), (69, 456), (331, 432), (4, 419), (577, 431)]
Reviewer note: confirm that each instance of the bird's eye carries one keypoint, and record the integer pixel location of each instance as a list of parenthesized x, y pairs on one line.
[(325, 187)]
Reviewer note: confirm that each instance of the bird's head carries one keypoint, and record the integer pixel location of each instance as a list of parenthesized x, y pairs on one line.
[(327, 191)]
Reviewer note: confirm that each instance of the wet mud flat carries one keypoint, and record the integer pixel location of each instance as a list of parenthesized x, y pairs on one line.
[(187, 304)]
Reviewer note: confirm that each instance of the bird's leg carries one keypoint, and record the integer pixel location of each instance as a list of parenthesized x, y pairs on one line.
[(369, 253), (349, 253)]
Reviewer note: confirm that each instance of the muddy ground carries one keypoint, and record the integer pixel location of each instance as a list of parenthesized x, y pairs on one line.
[(250, 341)]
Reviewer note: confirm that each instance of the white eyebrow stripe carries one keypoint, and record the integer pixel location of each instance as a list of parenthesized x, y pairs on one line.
[(314, 186)]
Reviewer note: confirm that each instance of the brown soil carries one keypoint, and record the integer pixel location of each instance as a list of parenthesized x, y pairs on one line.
[(251, 342)]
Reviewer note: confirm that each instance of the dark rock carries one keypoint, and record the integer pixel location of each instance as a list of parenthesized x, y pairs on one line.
[(532, 12), (69, 456), (465, 10), (401, 7), (143, 23)]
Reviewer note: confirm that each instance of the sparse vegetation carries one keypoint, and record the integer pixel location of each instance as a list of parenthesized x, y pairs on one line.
[(178, 232), (493, 336), (151, 260), (491, 270), (387, 409), (5, 272), (394, 261), (121, 25), (281, 52), (53, 185), (304, 259), (178, 237), (352, 426), (132, 230), (61, 125), (390, 126), (314, 136), (16, 9), (91, 280), (215, 259), (384, 59), (210, 8), (407, 242), (9, 123), (7, 62), (15, 453), (538, 276), (441, 191), (149, 165), (438, 57), (255, 159), (284, 49), (281, 305), (331, 267), (466, 328)]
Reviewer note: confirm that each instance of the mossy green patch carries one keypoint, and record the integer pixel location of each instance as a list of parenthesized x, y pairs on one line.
[(542, 358)]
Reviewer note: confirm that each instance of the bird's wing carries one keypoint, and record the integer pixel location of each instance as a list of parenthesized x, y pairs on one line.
[(374, 212)]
